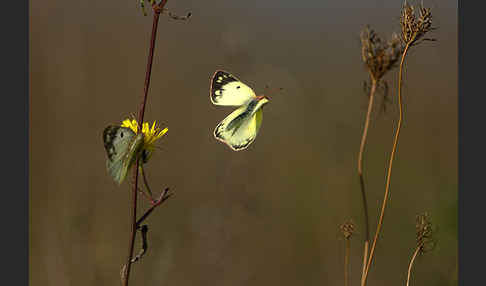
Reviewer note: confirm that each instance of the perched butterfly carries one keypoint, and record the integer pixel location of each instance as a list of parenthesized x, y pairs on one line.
[(124, 144), (239, 129), (123, 147)]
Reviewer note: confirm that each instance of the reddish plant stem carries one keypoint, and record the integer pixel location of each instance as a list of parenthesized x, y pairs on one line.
[(156, 10), (163, 197)]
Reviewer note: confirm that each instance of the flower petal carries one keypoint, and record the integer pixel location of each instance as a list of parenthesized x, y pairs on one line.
[(126, 123), (130, 124), (145, 128), (153, 128), (161, 133)]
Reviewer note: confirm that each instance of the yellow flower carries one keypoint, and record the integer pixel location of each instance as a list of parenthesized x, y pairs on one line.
[(150, 135), (153, 134), (132, 124)]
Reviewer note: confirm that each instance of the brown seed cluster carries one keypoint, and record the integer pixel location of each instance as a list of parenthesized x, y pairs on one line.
[(347, 229), (414, 27), (378, 55), (424, 233)]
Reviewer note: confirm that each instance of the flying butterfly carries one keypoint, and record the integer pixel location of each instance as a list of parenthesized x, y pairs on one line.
[(123, 147), (239, 129)]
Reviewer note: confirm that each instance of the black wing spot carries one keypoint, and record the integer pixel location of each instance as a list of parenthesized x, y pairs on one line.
[(237, 87), (121, 135), (219, 80), (109, 135)]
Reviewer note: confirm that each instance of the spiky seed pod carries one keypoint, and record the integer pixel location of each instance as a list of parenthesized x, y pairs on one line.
[(424, 233), (378, 55), (414, 27), (347, 229)]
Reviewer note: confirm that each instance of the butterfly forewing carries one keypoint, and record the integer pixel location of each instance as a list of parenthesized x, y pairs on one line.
[(122, 148), (227, 90)]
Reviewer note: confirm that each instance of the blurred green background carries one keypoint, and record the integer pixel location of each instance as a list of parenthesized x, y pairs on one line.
[(268, 215)]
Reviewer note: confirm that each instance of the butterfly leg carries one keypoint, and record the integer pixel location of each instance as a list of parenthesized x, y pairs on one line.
[(145, 194)]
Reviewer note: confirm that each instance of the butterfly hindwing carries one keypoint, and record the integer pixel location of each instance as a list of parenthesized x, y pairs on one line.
[(239, 129), (227, 90), (122, 148)]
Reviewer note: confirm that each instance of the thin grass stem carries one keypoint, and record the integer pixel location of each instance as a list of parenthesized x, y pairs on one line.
[(390, 166), (347, 247), (360, 169), (365, 259), (416, 252)]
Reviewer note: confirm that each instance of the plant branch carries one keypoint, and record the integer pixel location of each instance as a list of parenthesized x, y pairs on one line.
[(156, 10), (177, 17), (390, 165)]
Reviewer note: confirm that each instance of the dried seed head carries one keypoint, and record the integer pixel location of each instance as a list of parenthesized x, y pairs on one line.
[(347, 229), (425, 233), (379, 56), (414, 27)]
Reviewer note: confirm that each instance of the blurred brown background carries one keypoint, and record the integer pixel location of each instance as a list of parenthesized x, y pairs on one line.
[(268, 215)]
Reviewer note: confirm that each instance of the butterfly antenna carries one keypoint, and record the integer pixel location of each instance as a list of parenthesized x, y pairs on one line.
[(158, 147), (269, 90), (132, 116)]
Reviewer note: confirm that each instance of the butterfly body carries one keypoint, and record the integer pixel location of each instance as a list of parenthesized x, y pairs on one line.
[(239, 129), (123, 146)]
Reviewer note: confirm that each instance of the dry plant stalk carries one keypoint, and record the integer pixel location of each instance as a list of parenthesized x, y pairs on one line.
[(424, 239), (414, 27), (347, 230), (379, 57)]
